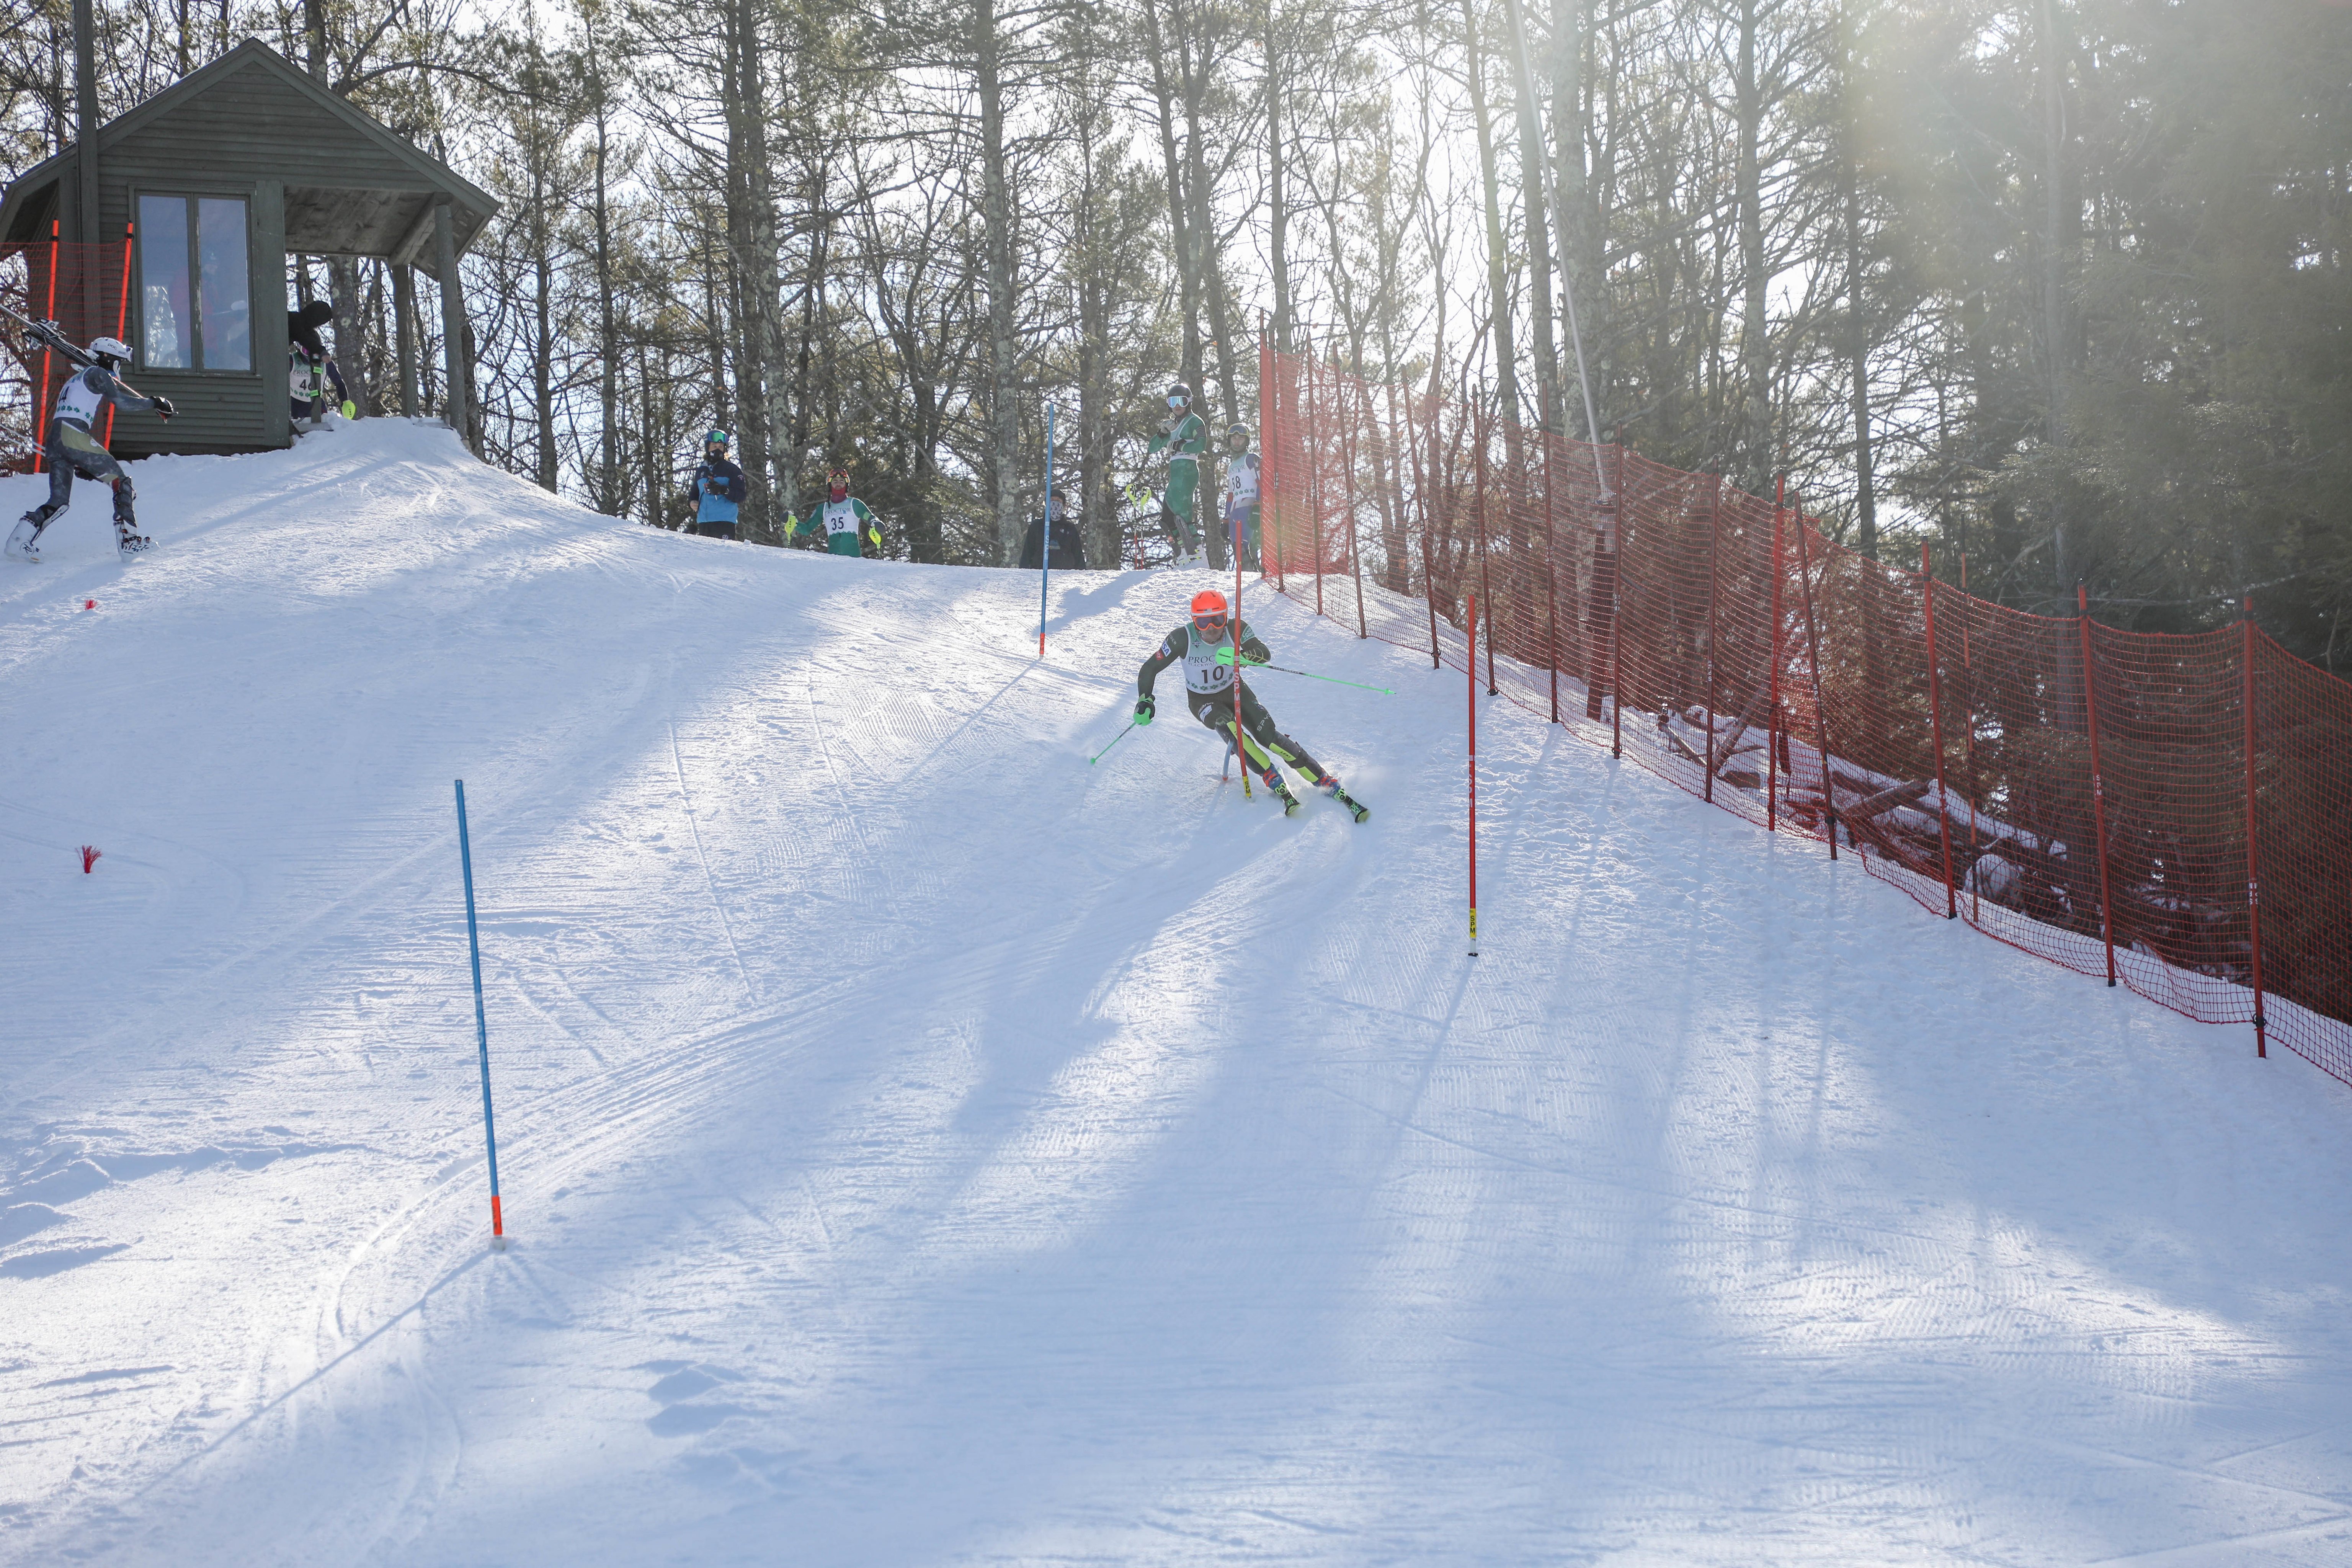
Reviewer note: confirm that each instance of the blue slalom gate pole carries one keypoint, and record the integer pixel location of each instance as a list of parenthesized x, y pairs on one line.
[(481, 1021), (1045, 534)]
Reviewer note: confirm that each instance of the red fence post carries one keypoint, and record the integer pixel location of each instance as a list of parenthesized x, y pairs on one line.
[(1714, 552), (1314, 478), (1821, 709), (41, 398), (1427, 473), (2254, 858), (2098, 782), (1485, 578), (1471, 623), (1936, 725), (1348, 456), (1772, 678), (1551, 577), (1619, 534)]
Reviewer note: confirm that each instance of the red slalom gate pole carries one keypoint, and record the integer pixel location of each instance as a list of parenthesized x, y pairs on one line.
[(2254, 858), (2099, 780), (1471, 622), (1935, 720)]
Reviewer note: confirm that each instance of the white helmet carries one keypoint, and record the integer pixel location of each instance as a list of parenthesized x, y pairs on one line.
[(110, 348)]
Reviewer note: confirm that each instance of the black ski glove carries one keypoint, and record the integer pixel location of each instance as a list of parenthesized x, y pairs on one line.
[(164, 406), (1143, 709)]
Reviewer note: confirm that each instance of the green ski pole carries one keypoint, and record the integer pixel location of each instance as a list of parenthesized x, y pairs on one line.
[(1285, 670), (1114, 740)]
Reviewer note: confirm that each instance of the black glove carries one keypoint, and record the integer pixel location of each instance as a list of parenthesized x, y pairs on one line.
[(164, 406), (1143, 709)]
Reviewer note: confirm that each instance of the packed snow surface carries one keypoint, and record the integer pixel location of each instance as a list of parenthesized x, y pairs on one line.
[(921, 1147)]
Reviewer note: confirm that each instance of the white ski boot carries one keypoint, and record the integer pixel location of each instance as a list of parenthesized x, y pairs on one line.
[(22, 543)]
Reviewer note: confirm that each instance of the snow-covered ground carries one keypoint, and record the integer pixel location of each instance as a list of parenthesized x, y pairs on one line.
[(923, 1148)]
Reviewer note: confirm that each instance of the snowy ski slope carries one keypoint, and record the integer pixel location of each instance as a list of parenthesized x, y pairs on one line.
[(922, 1148)]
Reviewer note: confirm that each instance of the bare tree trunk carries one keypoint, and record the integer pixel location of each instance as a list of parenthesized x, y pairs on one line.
[(1187, 277), (607, 488), (1755, 339), (1278, 208), (996, 211), (1531, 200), (2056, 246), (1499, 276), (1865, 491)]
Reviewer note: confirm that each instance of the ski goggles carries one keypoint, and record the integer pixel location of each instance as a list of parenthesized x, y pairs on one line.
[(1214, 624)]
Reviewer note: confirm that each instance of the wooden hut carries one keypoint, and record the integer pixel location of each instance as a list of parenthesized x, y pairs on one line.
[(175, 237)]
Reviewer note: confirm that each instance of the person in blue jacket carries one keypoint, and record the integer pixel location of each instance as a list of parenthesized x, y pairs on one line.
[(718, 489)]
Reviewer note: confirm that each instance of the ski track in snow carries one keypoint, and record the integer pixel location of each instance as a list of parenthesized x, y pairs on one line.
[(923, 1148)]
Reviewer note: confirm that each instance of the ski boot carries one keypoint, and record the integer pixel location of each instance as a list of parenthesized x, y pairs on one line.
[(23, 544), (1329, 785), (1281, 792)]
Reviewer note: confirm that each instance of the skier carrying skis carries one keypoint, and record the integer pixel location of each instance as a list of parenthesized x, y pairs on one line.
[(1241, 495), (309, 367), (1184, 439), (843, 517), (72, 449), (718, 489), (1205, 646)]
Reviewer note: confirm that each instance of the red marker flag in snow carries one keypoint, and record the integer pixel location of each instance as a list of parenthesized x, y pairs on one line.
[(88, 858)]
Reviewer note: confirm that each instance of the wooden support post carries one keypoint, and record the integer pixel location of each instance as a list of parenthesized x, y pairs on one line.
[(403, 317), (2098, 781), (453, 322)]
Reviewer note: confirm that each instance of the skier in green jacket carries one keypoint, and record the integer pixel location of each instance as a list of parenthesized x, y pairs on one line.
[(1185, 439), (844, 520), (1205, 647)]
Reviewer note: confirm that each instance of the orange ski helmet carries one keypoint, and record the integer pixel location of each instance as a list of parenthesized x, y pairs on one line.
[(1209, 610)]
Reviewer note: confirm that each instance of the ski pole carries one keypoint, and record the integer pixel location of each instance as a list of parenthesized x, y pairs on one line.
[(1114, 740), (1310, 674)]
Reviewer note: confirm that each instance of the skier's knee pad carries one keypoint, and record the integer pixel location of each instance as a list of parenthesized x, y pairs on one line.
[(124, 492)]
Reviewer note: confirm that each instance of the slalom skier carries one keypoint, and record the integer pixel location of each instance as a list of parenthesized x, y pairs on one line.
[(1241, 495), (844, 520), (1205, 646), (1184, 439), (718, 489), (72, 449)]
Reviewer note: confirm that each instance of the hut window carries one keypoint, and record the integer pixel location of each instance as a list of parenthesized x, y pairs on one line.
[(196, 286)]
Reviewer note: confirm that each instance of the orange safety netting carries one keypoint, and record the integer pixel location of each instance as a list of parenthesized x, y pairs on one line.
[(2078, 791), (84, 290)]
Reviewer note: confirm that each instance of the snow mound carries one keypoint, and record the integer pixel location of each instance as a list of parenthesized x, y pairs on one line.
[(922, 1147)]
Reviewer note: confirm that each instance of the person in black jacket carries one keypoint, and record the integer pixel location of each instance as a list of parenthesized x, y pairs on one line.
[(310, 369), (717, 491), (1069, 548)]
